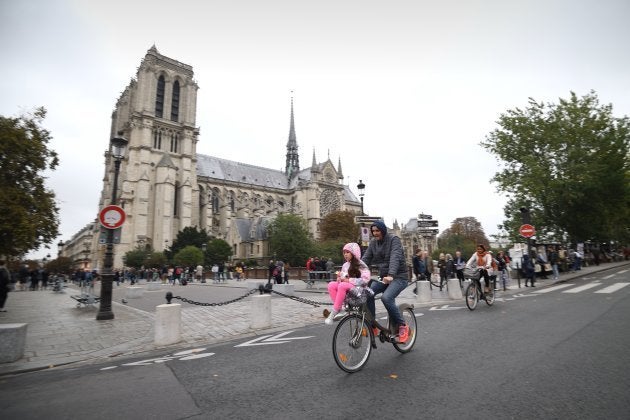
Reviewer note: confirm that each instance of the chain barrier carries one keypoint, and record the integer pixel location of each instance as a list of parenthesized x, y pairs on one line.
[(169, 297), (261, 289)]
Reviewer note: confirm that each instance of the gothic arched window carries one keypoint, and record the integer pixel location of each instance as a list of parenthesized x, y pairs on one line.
[(175, 102), (215, 200), (159, 98), (174, 142)]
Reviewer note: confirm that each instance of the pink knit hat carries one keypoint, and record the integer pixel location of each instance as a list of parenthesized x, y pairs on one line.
[(354, 248)]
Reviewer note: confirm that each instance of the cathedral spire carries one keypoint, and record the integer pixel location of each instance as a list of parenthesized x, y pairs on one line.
[(293, 160)]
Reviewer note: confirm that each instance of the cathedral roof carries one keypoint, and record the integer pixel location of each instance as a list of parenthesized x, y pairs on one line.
[(229, 170)]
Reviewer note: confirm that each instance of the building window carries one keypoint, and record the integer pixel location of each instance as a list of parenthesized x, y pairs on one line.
[(157, 139), (159, 98), (176, 200), (174, 143), (215, 201), (175, 102)]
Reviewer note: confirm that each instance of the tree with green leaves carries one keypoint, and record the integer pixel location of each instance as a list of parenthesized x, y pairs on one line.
[(136, 258), (339, 226), (217, 251), (464, 234), (189, 256), (569, 164), (29, 216), (289, 239), (190, 235)]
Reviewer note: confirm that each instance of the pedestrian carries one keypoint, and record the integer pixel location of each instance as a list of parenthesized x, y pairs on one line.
[(503, 262), (386, 251), (238, 271), (199, 273), (553, 260), (428, 265), (450, 267), (285, 273), (5, 284), (541, 260), (460, 263), (215, 273), (418, 265), (330, 266), (271, 267), (529, 271), (354, 273), (442, 269)]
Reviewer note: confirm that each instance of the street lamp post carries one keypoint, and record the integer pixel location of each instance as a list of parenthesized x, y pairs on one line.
[(105, 309), (361, 187), (60, 248)]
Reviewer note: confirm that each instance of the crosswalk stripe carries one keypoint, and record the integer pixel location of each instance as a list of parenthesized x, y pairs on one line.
[(609, 276), (582, 288), (613, 288), (553, 288)]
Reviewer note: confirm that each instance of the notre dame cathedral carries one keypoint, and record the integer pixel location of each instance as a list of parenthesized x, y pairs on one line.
[(165, 185)]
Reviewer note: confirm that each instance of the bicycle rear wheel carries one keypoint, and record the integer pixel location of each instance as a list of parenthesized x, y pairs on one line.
[(410, 319), (472, 296), (352, 343)]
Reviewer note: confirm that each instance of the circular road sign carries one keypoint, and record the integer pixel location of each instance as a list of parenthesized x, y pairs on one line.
[(527, 231), (112, 217)]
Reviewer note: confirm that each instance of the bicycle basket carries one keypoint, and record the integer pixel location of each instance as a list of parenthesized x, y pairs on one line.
[(356, 296), (471, 273)]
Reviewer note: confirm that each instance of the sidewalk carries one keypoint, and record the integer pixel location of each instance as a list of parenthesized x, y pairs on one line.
[(59, 333)]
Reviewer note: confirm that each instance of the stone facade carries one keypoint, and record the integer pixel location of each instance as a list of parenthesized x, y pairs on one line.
[(165, 186)]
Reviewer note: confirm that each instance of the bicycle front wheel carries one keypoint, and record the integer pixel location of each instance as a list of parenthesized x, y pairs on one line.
[(472, 296), (352, 343), (409, 317)]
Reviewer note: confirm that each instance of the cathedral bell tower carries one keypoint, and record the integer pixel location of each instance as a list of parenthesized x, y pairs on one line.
[(157, 114)]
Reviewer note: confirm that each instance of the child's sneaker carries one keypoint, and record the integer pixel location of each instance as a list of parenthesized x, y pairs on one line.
[(329, 320), (403, 333)]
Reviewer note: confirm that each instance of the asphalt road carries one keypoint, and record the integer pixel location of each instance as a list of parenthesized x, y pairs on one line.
[(548, 353)]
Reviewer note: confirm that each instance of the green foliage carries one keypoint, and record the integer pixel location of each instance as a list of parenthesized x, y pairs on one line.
[(62, 265), (188, 236), (464, 234), (188, 256), (569, 163), (289, 239), (339, 226), (217, 251), (136, 258), (331, 249), (156, 260), (29, 216)]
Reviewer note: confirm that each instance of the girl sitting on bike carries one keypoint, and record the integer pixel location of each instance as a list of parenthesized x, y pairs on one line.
[(483, 261), (354, 273)]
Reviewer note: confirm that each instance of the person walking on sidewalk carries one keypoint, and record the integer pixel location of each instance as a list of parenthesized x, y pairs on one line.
[(553, 260), (354, 273), (386, 252), (5, 281), (529, 271)]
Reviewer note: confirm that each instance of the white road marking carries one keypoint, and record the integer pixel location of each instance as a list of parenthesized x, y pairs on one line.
[(552, 288), (582, 288), (613, 288), (269, 339)]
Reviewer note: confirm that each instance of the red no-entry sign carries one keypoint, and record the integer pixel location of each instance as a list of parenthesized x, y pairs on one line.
[(527, 231), (112, 217)]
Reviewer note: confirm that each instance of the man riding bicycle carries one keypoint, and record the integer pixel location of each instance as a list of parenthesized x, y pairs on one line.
[(386, 252)]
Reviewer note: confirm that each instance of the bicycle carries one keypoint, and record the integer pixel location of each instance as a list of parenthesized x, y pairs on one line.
[(474, 292), (354, 336)]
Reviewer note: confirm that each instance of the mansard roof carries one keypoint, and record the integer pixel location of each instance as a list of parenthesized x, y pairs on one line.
[(253, 229)]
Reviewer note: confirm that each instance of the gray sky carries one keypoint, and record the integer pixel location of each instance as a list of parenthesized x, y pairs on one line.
[(401, 91)]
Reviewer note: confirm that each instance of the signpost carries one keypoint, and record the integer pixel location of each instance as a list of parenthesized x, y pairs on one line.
[(427, 223)]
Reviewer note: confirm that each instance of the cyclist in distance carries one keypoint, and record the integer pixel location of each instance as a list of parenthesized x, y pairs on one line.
[(386, 252), (483, 261)]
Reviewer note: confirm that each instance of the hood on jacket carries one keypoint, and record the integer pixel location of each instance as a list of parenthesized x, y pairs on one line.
[(381, 226), (354, 248)]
